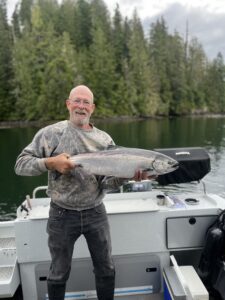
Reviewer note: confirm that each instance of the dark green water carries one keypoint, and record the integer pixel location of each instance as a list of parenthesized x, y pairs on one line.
[(163, 133)]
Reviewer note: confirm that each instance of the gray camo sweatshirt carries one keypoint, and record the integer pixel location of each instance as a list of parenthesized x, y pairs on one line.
[(76, 190)]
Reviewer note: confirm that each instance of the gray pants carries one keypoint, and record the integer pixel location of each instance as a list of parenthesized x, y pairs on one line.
[(64, 228)]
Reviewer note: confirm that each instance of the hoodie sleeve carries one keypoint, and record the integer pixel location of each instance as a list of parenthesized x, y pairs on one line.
[(31, 161)]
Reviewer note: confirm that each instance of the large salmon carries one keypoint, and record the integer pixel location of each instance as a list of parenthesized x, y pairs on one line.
[(123, 162)]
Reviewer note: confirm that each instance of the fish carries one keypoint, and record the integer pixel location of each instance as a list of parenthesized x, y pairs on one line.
[(123, 162)]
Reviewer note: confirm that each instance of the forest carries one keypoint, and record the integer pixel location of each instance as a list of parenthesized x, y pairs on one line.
[(47, 47)]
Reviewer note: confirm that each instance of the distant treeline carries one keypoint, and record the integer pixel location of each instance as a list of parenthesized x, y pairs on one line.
[(49, 47)]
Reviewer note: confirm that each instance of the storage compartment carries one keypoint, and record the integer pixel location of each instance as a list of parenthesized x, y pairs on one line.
[(194, 227), (194, 164)]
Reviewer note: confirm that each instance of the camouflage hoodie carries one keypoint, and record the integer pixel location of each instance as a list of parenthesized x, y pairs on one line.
[(76, 190)]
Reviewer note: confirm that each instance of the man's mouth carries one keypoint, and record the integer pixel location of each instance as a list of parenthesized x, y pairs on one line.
[(80, 113)]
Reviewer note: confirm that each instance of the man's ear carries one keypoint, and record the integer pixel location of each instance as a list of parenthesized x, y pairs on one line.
[(67, 104), (93, 107)]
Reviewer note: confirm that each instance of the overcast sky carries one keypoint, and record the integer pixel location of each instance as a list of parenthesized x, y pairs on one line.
[(206, 18)]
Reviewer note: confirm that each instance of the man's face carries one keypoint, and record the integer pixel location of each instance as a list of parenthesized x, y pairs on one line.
[(80, 109)]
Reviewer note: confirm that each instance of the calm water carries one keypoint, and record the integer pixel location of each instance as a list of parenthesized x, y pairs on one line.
[(164, 133)]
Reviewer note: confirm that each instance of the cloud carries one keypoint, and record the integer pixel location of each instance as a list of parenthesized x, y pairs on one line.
[(204, 24)]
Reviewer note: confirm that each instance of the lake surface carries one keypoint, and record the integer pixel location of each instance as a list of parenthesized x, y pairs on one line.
[(207, 132)]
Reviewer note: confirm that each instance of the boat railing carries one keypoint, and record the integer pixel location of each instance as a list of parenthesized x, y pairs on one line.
[(37, 189)]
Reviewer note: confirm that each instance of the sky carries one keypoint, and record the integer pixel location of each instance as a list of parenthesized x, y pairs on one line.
[(205, 18)]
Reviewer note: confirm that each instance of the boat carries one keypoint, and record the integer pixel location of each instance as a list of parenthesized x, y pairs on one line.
[(154, 234)]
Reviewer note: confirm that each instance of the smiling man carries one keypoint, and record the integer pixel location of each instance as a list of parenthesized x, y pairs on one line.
[(76, 206)]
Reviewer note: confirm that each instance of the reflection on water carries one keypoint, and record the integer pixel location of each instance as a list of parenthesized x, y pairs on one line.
[(148, 134)]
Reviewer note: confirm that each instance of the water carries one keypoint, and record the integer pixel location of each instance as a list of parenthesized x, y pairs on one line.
[(149, 134)]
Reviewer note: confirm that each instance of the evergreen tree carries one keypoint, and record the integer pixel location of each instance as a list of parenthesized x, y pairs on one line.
[(180, 103), (215, 85), (144, 96), (118, 39), (65, 19), (100, 71), (159, 57), (83, 24), (6, 102), (196, 71), (45, 70), (16, 28), (100, 18), (25, 12), (49, 11)]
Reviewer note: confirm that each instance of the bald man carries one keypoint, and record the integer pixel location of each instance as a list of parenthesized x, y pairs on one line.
[(76, 206)]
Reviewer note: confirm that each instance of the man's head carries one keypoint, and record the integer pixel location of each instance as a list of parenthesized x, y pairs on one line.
[(80, 105)]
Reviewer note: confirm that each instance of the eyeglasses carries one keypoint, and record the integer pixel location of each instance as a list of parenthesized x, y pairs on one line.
[(80, 101)]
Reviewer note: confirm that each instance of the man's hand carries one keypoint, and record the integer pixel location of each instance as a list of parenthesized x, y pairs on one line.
[(60, 163), (142, 175)]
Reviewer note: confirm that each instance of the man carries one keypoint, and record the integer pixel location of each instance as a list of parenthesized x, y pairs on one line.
[(76, 206)]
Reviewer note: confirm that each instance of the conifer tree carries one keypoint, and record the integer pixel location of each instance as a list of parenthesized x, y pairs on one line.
[(82, 36), (215, 85), (144, 95), (49, 11), (65, 19), (25, 12), (100, 71), (5, 64), (100, 18), (118, 39), (180, 103), (45, 70), (16, 26), (196, 71), (159, 57)]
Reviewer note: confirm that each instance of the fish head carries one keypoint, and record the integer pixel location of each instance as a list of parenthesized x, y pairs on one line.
[(163, 164)]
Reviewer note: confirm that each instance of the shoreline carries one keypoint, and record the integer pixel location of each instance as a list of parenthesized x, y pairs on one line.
[(23, 124)]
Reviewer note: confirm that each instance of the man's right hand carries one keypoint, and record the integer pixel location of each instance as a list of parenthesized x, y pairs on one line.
[(60, 163)]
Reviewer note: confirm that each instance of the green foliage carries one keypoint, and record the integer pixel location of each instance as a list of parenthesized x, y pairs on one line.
[(159, 57), (51, 46), (145, 96), (196, 71), (45, 70), (215, 85), (101, 72), (25, 12), (6, 99)]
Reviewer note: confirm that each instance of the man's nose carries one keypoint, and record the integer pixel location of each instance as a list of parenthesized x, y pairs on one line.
[(81, 105)]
